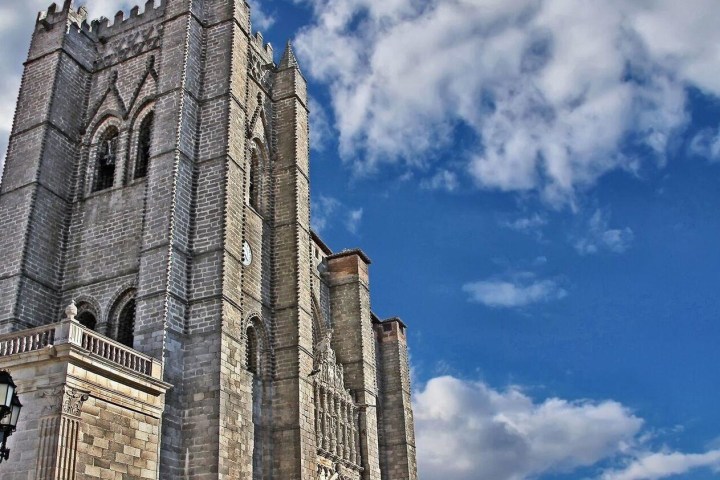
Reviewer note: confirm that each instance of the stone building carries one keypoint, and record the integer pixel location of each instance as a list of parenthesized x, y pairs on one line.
[(165, 309)]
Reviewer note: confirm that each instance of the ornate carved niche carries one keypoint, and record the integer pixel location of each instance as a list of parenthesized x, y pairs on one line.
[(336, 415)]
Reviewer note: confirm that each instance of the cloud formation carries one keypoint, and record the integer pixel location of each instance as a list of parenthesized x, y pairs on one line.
[(327, 211), (526, 224), (654, 466), (518, 291), (600, 237), (553, 90), (469, 431), (706, 144), (441, 180)]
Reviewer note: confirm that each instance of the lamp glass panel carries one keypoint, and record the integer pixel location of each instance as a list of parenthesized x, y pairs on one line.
[(6, 391), (15, 414)]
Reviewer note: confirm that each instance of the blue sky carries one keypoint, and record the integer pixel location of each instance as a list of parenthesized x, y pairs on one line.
[(536, 182)]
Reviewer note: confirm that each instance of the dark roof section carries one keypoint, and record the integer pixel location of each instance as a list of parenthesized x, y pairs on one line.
[(394, 319), (354, 251), (323, 246)]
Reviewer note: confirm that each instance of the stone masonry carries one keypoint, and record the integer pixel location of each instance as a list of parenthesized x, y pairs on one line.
[(157, 181)]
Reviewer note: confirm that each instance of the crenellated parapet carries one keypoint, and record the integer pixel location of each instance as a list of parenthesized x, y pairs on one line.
[(99, 29), (65, 15), (122, 23), (265, 49)]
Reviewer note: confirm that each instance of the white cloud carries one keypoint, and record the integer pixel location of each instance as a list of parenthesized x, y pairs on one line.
[(329, 211), (352, 222), (553, 89), (600, 237), (518, 291), (442, 180), (706, 144), (468, 431), (320, 128), (323, 209), (653, 466), (526, 224), (261, 20)]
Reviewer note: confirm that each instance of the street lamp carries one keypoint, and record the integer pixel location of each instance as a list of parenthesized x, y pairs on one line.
[(7, 389), (9, 411)]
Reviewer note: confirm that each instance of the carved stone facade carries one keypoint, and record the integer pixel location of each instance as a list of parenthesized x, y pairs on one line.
[(158, 175)]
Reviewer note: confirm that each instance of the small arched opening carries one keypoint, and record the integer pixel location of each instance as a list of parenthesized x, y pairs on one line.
[(87, 319), (254, 176), (106, 154), (126, 324), (143, 146), (87, 314)]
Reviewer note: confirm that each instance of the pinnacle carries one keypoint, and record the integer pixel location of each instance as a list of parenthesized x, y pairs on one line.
[(288, 59)]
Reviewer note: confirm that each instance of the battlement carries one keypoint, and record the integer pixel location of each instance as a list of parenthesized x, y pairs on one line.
[(66, 15), (259, 43), (101, 27)]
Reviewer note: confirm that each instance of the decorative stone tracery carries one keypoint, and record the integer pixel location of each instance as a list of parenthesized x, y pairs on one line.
[(336, 415)]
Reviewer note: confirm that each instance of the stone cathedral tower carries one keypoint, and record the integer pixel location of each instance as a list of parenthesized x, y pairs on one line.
[(165, 309)]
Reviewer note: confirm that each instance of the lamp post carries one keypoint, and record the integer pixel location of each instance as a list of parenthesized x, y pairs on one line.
[(9, 411)]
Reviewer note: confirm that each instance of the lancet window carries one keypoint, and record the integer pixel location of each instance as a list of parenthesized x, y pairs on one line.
[(143, 146), (254, 179), (126, 324), (106, 159)]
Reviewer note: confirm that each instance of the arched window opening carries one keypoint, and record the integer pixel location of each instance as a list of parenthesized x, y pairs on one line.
[(87, 319), (106, 158), (251, 353), (143, 146), (126, 324), (254, 179)]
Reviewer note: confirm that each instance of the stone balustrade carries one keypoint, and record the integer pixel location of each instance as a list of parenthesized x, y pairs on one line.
[(71, 332)]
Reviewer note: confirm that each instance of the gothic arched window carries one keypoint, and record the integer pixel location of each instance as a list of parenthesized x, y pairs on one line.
[(143, 146), (105, 160), (87, 319), (126, 324), (254, 179), (251, 353)]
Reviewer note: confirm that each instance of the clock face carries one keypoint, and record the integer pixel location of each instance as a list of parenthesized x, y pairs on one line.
[(246, 254)]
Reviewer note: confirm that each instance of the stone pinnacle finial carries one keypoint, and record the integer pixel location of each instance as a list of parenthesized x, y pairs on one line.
[(288, 59), (71, 311)]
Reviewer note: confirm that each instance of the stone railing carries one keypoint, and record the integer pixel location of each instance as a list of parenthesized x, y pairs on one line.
[(69, 331), (27, 340)]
